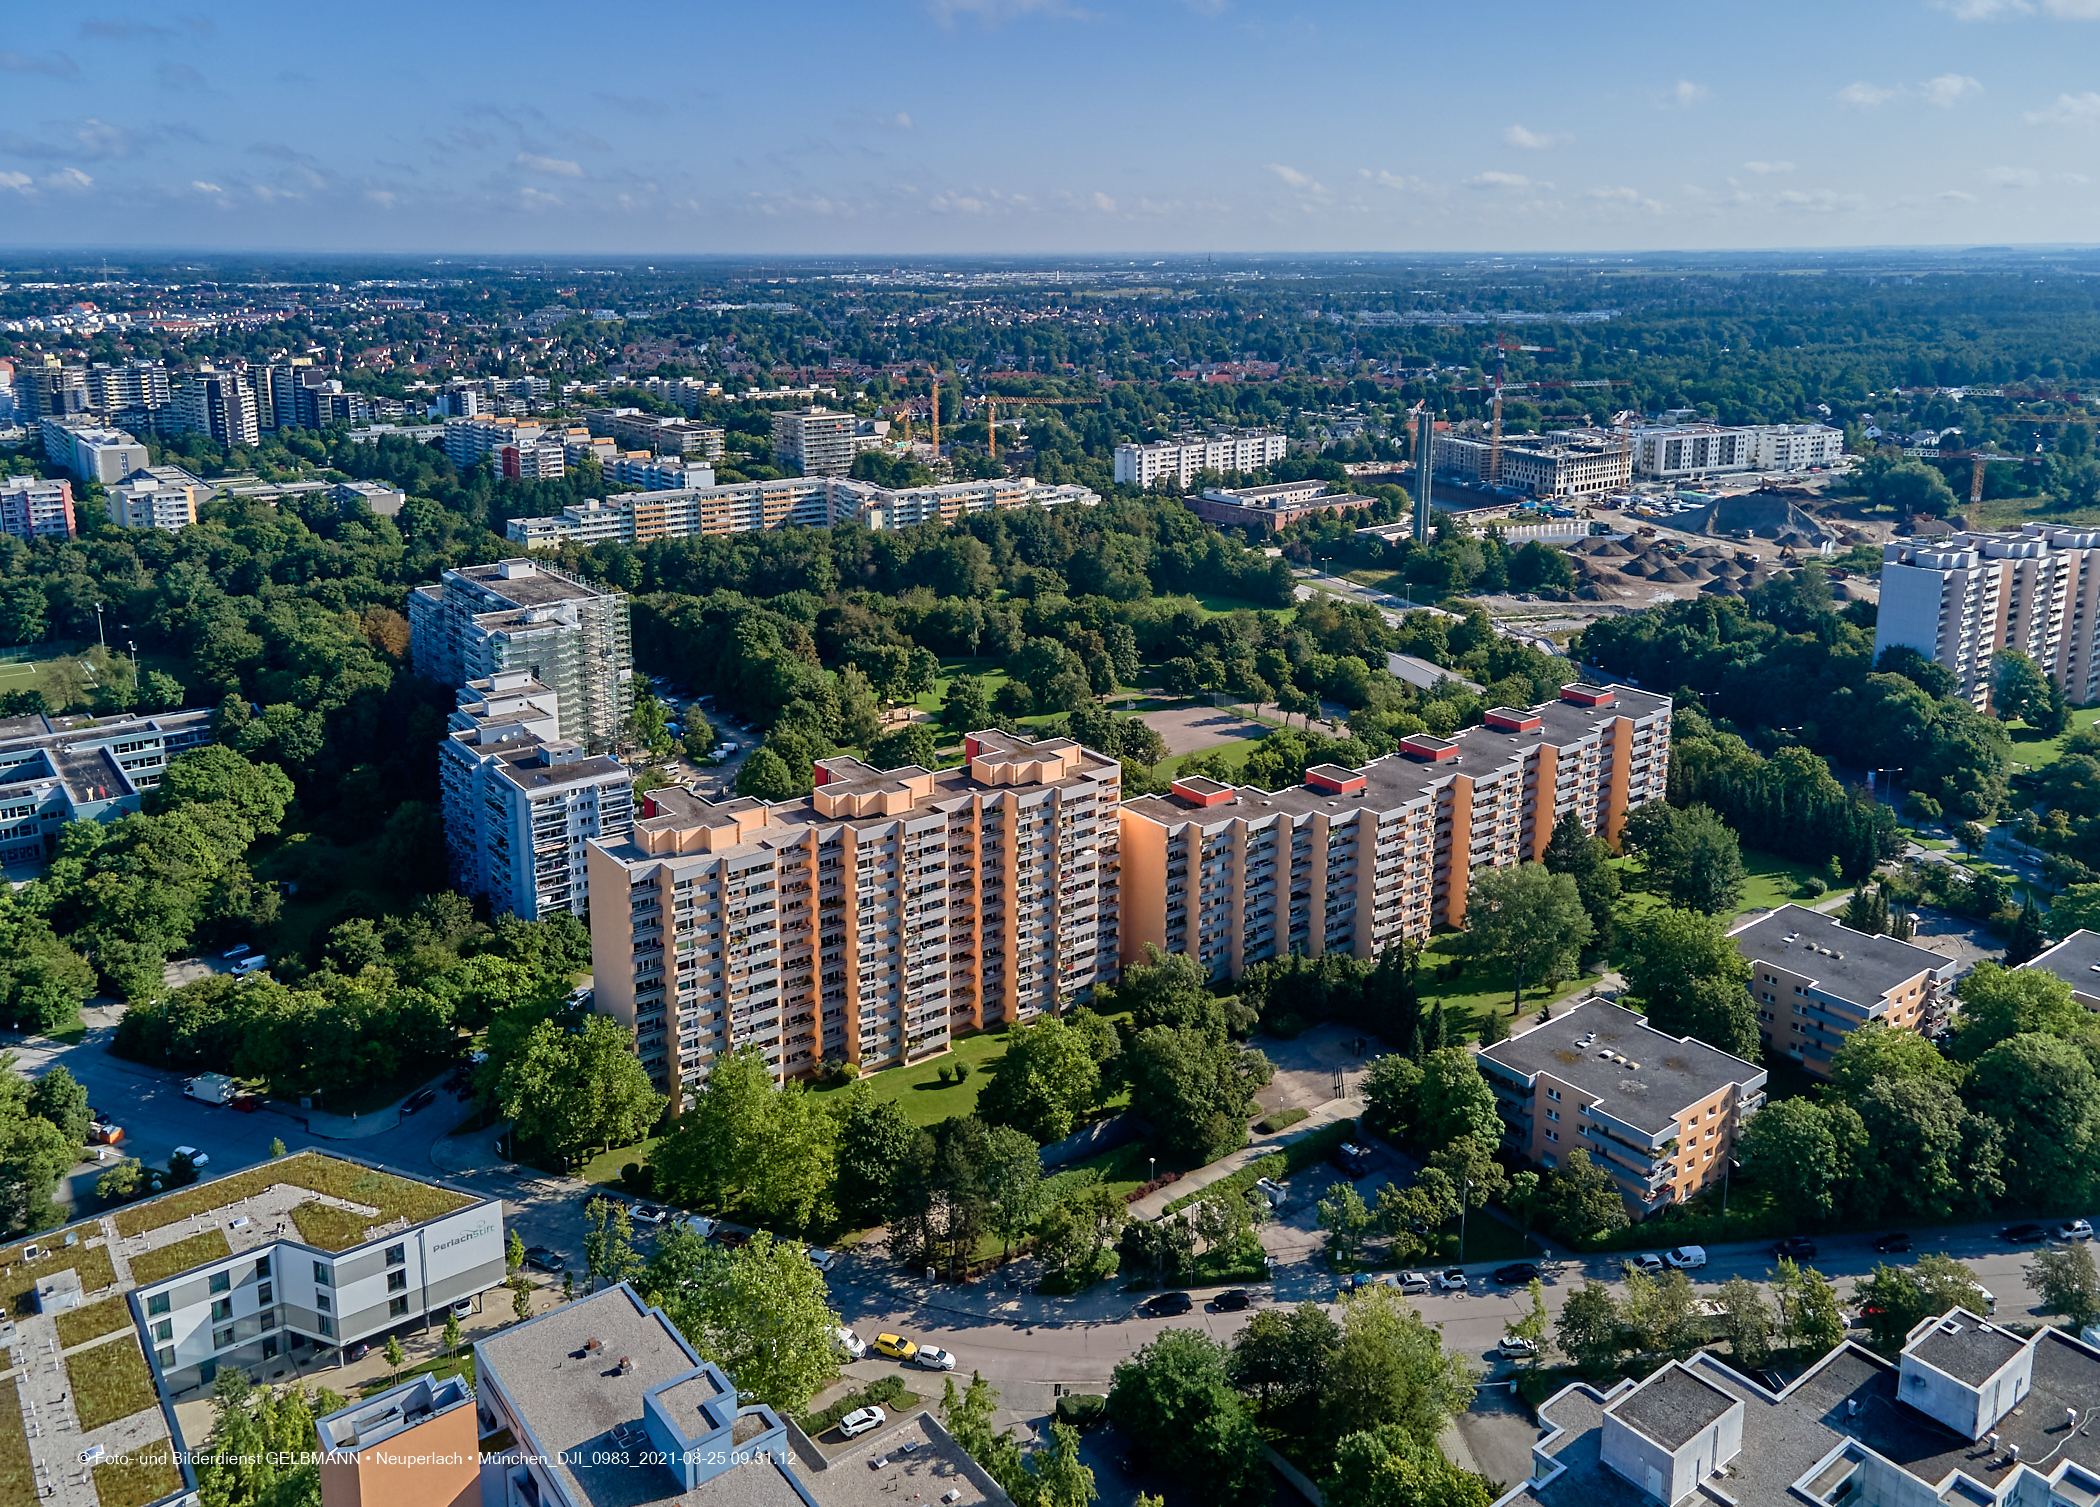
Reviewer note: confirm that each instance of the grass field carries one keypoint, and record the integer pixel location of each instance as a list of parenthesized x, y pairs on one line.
[(2033, 749), (1771, 881), (1219, 606), (109, 1382), (926, 1099), (1234, 753)]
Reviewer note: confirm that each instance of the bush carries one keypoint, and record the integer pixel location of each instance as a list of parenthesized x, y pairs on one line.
[(1813, 887), (638, 1179), (962, 1071), (886, 1391), (1081, 1409), (1282, 1119)]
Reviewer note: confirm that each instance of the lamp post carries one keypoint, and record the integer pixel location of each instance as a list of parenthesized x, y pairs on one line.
[(98, 628), (1464, 1197)]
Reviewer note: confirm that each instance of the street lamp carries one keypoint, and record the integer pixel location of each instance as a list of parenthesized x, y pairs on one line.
[(1465, 1195)]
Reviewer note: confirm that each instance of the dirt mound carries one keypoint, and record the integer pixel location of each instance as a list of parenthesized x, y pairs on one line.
[(1722, 586), (1673, 575)]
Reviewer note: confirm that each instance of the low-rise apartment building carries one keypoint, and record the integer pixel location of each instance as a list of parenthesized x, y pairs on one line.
[(55, 770), (520, 801), (1185, 457), (383, 500), (1268, 509), (91, 454), (1659, 1113), (147, 500), (1563, 463), (1961, 599), (656, 433), (32, 507), (865, 922), (1356, 858), (1688, 451), (2075, 960), (1815, 981), (796, 501)]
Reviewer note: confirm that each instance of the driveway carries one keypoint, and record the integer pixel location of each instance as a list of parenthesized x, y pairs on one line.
[(1186, 729)]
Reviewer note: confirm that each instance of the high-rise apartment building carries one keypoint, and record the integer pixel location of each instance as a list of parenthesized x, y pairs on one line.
[(134, 386), (657, 434), (1357, 858), (482, 620), (1187, 456), (33, 508), (219, 404), (1962, 599), (467, 440), (864, 922), (51, 391), (820, 442), (520, 801)]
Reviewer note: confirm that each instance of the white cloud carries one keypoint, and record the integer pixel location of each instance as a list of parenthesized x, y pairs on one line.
[(1386, 179), (1500, 180), (1992, 10), (70, 178), (382, 197), (1685, 94), (1534, 141), (1628, 196), (991, 13), (1296, 179), (553, 165), (1865, 96), (1104, 203), (2073, 178), (959, 203), (2069, 110), (1949, 89), (532, 198), (19, 182), (1956, 196), (205, 188), (1767, 169), (2012, 177)]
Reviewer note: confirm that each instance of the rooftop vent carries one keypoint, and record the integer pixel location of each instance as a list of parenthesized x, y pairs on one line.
[(593, 1345), (626, 1365)]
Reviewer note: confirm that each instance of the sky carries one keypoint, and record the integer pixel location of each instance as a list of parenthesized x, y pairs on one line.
[(967, 127)]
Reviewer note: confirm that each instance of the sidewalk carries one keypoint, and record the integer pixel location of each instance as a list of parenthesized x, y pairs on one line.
[(1154, 1204)]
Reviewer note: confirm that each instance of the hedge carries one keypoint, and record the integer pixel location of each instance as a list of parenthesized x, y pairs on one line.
[(1282, 1119), (1081, 1409), (886, 1391)]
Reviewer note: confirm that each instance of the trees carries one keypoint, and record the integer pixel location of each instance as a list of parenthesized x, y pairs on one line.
[(761, 1312), (1013, 1175), (1580, 1199), (1473, 1170), (1346, 1220), (1390, 1369), (766, 777), (2000, 1003), (1930, 1157), (572, 1091), (1531, 1325), (1388, 1088), (1690, 857), (748, 1147), (1587, 1330), (1384, 1468), (874, 1139), (1802, 1151), (1528, 921), (1587, 861), (1195, 1089), (1874, 1050), (608, 1244), (1746, 1320), (63, 1100), (261, 1452), (1688, 972), (1171, 989), (1282, 1356), (1453, 1100), (1176, 1393), (1046, 1080), (2042, 1090), (2064, 1279)]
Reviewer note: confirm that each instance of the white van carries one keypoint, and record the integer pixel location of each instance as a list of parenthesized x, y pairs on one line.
[(253, 963), (1686, 1258)]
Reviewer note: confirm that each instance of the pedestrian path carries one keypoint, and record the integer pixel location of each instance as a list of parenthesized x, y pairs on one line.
[(1154, 1204)]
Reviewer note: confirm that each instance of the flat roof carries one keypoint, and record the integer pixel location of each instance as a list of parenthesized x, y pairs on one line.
[(1671, 1407), (1970, 1349), (2075, 960), (1851, 965), (534, 587), (935, 1466), (1642, 1076)]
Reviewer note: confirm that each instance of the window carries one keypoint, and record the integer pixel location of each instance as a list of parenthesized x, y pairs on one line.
[(166, 1356), (322, 1277), (397, 1281), (321, 1301), (1553, 1094), (164, 1330), (396, 1254), (262, 1267), (265, 1295), (221, 1310), (328, 1327), (270, 1347), (222, 1339), (222, 1281), (1553, 1114), (1552, 1135), (397, 1308), (158, 1303)]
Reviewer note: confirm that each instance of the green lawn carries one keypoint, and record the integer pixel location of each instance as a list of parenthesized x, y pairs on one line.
[(1772, 881), (1219, 606), (605, 1166), (927, 1100), (1474, 990), (109, 1382), (2033, 749), (1234, 753)]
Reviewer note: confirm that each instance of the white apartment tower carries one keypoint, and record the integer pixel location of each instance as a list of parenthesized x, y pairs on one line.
[(482, 620), (520, 801), (1960, 601), (867, 921), (219, 404), (1186, 456), (817, 441)]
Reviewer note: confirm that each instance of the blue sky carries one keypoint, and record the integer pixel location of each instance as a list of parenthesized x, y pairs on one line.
[(1024, 126)]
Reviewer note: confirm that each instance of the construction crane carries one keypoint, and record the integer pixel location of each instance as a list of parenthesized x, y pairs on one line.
[(992, 401), (1979, 459), (1501, 387)]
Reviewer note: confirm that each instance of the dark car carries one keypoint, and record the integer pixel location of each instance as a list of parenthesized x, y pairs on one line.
[(1160, 1305), (544, 1259), (1891, 1244), (1515, 1273), (421, 1099), (2024, 1234), (1799, 1248), (1353, 1159), (1232, 1300), (731, 1239)]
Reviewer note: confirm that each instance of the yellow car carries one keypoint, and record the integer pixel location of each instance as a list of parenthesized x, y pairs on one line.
[(895, 1346)]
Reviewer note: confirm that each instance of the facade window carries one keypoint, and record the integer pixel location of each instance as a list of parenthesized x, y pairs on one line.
[(396, 1254), (321, 1301), (322, 1276), (397, 1281), (270, 1348), (222, 1281), (397, 1308), (166, 1356), (262, 1267), (266, 1295), (158, 1303), (221, 1310), (327, 1327), (164, 1330), (222, 1339), (1553, 1094), (1552, 1135), (1553, 1114)]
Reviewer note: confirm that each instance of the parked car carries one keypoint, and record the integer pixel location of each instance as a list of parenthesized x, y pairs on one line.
[(1987, 1298), (1798, 1248), (545, 1259), (463, 1309), (1516, 1347), (1413, 1282), (699, 1224), (1353, 1159), (236, 952), (862, 1421), (1651, 1264), (2072, 1229), (822, 1259), (197, 1158), (933, 1358), (1894, 1243), (1451, 1280), (1232, 1300), (732, 1239), (1160, 1305), (895, 1346), (1516, 1273), (422, 1098), (2024, 1234), (652, 1215), (1686, 1258), (855, 1347)]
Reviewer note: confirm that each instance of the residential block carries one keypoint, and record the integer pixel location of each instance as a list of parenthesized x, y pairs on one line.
[(33, 508), (1815, 981)]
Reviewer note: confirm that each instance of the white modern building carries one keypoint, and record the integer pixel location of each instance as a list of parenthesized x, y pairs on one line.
[(1795, 447), (217, 404), (104, 455), (1187, 456), (822, 441), (469, 440), (1560, 463), (1960, 600), (146, 500), (481, 620), (1690, 451), (520, 801)]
